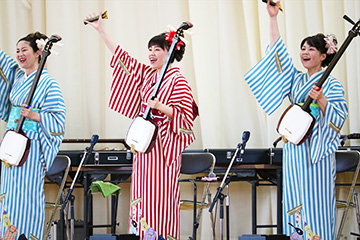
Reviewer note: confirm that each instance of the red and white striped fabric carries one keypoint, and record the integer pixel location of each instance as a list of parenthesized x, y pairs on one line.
[(155, 174)]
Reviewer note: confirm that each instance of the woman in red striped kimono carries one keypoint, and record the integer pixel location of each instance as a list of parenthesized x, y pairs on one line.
[(154, 208)]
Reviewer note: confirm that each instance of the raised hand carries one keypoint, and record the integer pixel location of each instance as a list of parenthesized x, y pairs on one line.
[(273, 10), (97, 24)]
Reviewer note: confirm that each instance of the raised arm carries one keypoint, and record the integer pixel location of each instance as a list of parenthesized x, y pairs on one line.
[(274, 29), (103, 34)]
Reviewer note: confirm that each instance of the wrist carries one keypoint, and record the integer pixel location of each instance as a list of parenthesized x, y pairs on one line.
[(322, 100), (160, 107), (35, 116), (100, 30), (273, 18)]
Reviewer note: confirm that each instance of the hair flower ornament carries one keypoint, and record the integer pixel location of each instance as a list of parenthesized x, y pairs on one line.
[(41, 44), (170, 35), (331, 44)]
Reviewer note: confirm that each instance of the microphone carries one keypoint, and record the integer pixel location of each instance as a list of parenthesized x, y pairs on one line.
[(93, 19), (93, 141), (272, 4), (245, 138), (241, 146)]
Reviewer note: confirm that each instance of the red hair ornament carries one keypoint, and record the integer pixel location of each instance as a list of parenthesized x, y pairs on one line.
[(169, 37)]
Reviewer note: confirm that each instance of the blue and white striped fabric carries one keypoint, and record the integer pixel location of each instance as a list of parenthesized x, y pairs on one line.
[(24, 186), (309, 170)]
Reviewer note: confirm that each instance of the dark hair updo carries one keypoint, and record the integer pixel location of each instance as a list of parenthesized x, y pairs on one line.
[(31, 39), (159, 40), (318, 41)]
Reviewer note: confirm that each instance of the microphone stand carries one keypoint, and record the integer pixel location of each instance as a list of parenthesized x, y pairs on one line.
[(219, 195), (69, 195)]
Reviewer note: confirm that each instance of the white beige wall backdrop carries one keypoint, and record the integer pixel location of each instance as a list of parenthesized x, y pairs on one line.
[(230, 36)]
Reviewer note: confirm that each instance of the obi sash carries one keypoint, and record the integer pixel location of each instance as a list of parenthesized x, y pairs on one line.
[(314, 108), (29, 124), (156, 115)]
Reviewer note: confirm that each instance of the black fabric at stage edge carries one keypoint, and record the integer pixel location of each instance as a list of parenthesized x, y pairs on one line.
[(264, 237)]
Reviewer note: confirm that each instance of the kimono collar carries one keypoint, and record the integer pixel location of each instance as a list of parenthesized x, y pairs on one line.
[(315, 75), (31, 75)]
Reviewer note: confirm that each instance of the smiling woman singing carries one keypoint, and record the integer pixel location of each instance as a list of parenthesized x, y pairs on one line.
[(154, 209), (22, 188), (309, 169)]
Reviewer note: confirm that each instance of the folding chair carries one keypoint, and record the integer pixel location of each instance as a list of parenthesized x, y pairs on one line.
[(347, 161), (193, 163), (57, 173)]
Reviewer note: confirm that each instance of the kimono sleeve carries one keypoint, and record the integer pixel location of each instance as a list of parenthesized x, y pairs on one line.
[(336, 109), (326, 136), (183, 110), (7, 78), (180, 132), (270, 79), (52, 126), (125, 95)]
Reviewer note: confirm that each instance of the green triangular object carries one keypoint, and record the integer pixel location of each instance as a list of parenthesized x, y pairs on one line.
[(106, 188)]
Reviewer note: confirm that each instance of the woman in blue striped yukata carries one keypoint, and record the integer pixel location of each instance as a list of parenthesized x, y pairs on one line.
[(309, 169), (22, 209)]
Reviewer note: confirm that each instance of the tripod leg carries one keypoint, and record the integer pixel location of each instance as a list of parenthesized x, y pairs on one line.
[(72, 217), (227, 213), (67, 228), (211, 217), (62, 225), (221, 198)]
